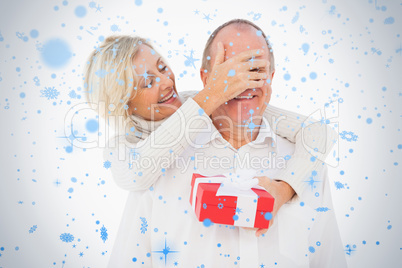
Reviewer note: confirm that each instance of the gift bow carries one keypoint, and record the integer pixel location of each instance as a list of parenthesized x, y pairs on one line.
[(242, 180)]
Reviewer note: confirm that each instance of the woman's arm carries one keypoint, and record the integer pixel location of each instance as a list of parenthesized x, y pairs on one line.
[(320, 137), (168, 141), (145, 161)]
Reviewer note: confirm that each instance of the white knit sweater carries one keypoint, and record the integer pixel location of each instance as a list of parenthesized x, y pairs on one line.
[(143, 135)]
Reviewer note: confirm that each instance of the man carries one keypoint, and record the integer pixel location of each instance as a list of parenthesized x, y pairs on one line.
[(165, 232)]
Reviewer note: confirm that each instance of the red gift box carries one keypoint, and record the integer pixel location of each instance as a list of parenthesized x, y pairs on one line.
[(225, 209)]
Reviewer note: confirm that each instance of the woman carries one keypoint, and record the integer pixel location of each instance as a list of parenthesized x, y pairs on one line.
[(138, 87)]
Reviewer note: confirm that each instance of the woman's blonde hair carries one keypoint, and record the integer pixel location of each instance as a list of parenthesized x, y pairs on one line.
[(109, 73)]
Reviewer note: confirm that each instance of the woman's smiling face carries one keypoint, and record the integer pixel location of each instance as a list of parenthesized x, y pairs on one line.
[(155, 96)]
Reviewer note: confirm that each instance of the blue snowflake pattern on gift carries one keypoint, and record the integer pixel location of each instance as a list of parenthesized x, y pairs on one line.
[(50, 93), (204, 206), (144, 225), (67, 237), (238, 211), (104, 234), (348, 136), (220, 205)]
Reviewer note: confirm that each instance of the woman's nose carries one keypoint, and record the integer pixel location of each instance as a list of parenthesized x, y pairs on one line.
[(166, 80)]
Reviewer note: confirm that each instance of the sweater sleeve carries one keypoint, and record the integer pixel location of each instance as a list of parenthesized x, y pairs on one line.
[(146, 161), (313, 140)]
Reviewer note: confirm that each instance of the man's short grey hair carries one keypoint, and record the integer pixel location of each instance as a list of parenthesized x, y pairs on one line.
[(241, 22)]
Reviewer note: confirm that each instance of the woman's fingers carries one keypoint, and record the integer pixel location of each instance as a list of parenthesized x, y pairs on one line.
[(266, 183), (260, 231), (257, 76), (256, 64), (249, 228), (220, 55), (237, 74), (254, 84), (246, 55)]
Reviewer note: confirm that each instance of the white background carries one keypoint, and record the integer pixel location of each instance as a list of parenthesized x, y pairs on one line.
[(33, 151)]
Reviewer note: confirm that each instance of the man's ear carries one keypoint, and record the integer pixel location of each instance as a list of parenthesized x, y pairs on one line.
[(272, 76), (204, 76)]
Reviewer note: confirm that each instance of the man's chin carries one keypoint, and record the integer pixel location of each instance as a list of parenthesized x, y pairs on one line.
[(239, 111)]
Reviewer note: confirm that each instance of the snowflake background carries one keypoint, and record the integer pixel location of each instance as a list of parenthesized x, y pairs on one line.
[(324, 50)]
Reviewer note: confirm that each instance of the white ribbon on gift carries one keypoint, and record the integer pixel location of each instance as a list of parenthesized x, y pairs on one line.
[(239, 185)]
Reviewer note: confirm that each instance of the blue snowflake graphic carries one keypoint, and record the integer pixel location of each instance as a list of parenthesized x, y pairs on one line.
[(295, 18), (33, 229), (104, 234), (22, 36), (145, 75), (206, 17), (114, 28), (133, 153), (101, 73), (50, 93), (339, 185), (144, 225), (107, 164), (204, 206), (190, 59), (332, 11), (348, 136), (67, 237), (98, 8), (322, 209), (251, 126), (349, 249), (257, 16), (36, 80), (311, 180), (165, 251), (72, 94), (287, 157), (220, 205)]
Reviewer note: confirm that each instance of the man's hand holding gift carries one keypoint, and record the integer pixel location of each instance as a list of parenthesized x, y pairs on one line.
[(280, 191)]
